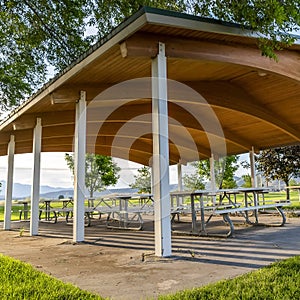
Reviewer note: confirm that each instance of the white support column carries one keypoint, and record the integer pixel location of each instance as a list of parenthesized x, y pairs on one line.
[(35, 188), (162, 203), (212, 176), (179, 176), (79, 168), (152, 189), (9, 183), (252, 166)]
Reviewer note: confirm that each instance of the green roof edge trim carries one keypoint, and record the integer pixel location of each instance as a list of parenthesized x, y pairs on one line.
[(172, 13)]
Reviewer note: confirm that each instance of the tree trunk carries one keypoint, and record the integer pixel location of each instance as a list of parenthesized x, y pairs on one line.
[(287, 190)]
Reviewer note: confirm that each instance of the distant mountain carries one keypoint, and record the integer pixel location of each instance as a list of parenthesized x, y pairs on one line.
[(21, 191)]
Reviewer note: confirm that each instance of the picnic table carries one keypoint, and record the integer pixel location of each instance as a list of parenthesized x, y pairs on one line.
[(24, 211), (253, 202), (228, 195), (193, 208), (124, 211), (52, 213)]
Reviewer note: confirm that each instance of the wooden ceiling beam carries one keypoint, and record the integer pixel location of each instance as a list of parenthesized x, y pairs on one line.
[(139, 143), (145, 143), (20, 135), (141, 113), (28, 121), (71, 93), (120, 152), (229, 96), (146, 45)]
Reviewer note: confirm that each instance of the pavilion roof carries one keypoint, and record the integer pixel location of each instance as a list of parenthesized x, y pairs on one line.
[(221, 91)]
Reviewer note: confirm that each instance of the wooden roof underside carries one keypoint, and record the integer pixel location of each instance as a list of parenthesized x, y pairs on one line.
[(221, 91)]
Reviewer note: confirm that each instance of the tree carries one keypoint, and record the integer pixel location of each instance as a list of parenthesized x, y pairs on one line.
[(41, 33), (100, 171), (293, 182), (193, 181), (142, 180), (273, 20), (247, 181), (280, 163), (224, 172), (34, 34)]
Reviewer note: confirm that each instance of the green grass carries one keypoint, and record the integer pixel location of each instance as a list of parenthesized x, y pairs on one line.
[(16, 207), (15, 212), (279, 281), (19, 280)]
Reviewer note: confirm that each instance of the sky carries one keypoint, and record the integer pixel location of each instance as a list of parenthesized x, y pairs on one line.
[(54, 170), (55, 173)]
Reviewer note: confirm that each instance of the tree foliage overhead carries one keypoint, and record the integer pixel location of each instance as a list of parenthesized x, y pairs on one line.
[(100, 171), (36, 34), (273, 20), (280, 163)]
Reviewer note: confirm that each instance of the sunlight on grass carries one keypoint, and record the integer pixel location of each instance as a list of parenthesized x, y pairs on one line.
[(279, 281), (19, 280)]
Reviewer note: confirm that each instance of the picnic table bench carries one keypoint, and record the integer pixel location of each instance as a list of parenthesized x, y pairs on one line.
[(225, 213), (122, 213), (66, 212), (252, 206)]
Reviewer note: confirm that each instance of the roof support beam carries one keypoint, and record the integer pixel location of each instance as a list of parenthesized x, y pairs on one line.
[(63, 117), (179, 177), (9, 183), (79, 168), (161, 188), (252, 167), (145, 45), (35, 189)]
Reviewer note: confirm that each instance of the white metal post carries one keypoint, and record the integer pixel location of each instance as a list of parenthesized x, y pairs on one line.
[(252, 166), (35, 188), (79, 168), (179, 174), (152, 189), (161, 188), (9, 183), (179, 187), (212, 176)]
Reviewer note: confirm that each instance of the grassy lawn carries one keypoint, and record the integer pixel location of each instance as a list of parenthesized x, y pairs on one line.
[(15, 212), (21, 281), (279, 281)]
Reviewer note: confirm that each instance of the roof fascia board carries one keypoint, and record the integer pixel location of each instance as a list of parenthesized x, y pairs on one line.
[(199, 25), (202, 24)]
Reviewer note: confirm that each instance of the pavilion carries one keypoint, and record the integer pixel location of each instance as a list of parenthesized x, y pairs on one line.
[(162, 88)]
